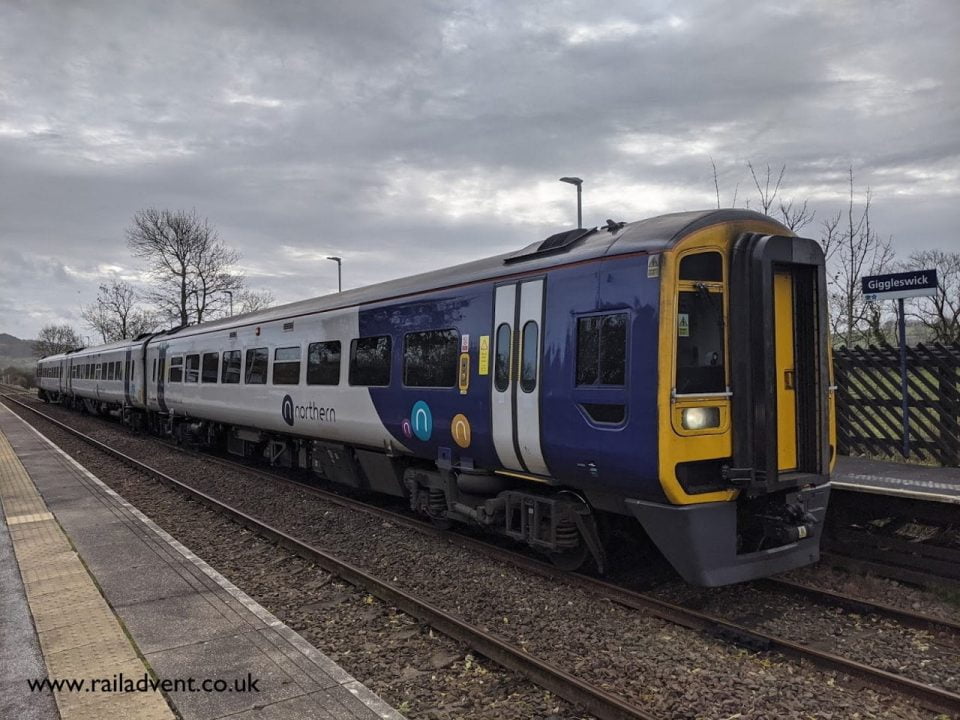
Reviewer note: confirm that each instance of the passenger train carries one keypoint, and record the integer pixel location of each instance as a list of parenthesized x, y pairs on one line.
[(672, 373)]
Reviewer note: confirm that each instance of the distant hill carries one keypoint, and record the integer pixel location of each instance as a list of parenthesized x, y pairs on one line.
[(14, 351)]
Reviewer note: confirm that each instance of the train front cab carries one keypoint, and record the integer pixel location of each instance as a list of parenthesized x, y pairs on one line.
[(745, 407)]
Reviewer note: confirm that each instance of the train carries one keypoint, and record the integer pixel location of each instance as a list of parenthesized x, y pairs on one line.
[(671, 374)]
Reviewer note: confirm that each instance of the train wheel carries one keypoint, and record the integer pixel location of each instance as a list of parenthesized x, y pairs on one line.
[(572, 559), (441, 523)]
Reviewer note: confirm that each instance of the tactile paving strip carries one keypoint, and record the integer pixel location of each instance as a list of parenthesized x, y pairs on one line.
[(79, 634)]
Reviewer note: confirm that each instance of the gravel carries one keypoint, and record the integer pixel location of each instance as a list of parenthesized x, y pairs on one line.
[(663, 668), (928, 657)]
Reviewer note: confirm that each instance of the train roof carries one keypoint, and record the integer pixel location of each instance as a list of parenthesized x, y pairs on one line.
[(652, 235), (645, 236), (92, 350), (96, 349)]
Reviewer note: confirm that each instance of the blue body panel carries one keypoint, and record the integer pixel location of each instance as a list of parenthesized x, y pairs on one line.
[(469, 310), (624, 455)]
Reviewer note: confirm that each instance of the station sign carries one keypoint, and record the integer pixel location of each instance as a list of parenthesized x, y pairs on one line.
[(893, 286)]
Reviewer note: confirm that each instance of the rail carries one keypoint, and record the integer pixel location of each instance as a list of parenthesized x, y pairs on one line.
[(595, 700)]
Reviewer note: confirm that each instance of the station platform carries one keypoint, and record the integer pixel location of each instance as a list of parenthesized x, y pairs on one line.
[(918, 482), (95, 591)]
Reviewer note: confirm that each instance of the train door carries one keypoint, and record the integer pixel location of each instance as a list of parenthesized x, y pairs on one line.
[(786, 373), (779, 361), (515, 391), (128, 387)]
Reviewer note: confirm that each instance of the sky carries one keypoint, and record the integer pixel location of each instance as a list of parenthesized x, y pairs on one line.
[(410, 136)]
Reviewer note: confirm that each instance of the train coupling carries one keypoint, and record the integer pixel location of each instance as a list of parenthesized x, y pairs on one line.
[(790, 524)]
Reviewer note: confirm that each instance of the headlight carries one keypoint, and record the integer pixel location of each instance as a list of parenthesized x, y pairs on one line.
[(700, 418)]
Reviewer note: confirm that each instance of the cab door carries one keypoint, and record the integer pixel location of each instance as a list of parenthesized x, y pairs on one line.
[(786, 372), (515, 391)]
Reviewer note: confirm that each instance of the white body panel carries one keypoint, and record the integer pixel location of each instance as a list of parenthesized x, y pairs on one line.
[(528, 403), (349, 414), (501, 401), (516, 413), (99, 385)]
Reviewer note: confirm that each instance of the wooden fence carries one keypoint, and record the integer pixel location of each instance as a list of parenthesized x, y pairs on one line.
[(869, 400)]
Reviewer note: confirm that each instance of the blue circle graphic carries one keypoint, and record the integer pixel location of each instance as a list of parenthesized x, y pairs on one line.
[(422, 420)]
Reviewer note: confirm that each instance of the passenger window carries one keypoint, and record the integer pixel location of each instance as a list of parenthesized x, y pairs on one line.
[(110, 371), (430, 358), (370, 361), (230, 373), (211, 368), (528, 363), (323, 363), (193, 368), (176, 370), (501, 367), (705, 266), (602, 349), (257, 359), (286, 366)]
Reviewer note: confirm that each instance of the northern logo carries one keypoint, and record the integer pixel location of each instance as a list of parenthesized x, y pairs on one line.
[(311, 411)]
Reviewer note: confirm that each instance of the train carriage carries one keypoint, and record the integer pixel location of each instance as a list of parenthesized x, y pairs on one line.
[(673, 372)]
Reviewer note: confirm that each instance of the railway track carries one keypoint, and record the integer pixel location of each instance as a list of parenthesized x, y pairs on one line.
[(595, 700)]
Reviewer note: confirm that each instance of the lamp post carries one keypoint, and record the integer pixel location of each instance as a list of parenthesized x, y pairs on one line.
[(579, 183), (230, 293), (338, 261)]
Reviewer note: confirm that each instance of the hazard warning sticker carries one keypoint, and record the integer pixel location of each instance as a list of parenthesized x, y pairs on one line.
[(653, 266)]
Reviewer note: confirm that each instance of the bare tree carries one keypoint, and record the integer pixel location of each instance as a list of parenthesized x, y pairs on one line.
[(252, 300), (796, 217), (940, 313), (716, 186), (855, 250), (213, 281), (117, 313), (98, 319), (55, 339), (767, 196), (716, 181), (191, 267)]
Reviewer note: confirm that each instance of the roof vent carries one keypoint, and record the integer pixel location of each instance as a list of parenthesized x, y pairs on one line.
[(553, 244)]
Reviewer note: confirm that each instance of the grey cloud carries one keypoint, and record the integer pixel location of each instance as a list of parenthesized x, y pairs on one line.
[(371, 129)]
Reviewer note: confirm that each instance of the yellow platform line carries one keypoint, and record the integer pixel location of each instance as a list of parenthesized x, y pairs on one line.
[(80, 636)]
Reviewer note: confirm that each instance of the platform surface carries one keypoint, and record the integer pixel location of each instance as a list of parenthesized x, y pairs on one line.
[(20, 656), (939, 484), (181, 618)]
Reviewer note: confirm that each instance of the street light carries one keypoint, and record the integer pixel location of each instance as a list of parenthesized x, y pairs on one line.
[(339, 274), (578, 182), (230, 293)]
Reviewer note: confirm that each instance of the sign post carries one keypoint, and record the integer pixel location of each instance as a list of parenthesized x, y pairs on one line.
[(897, 286)]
